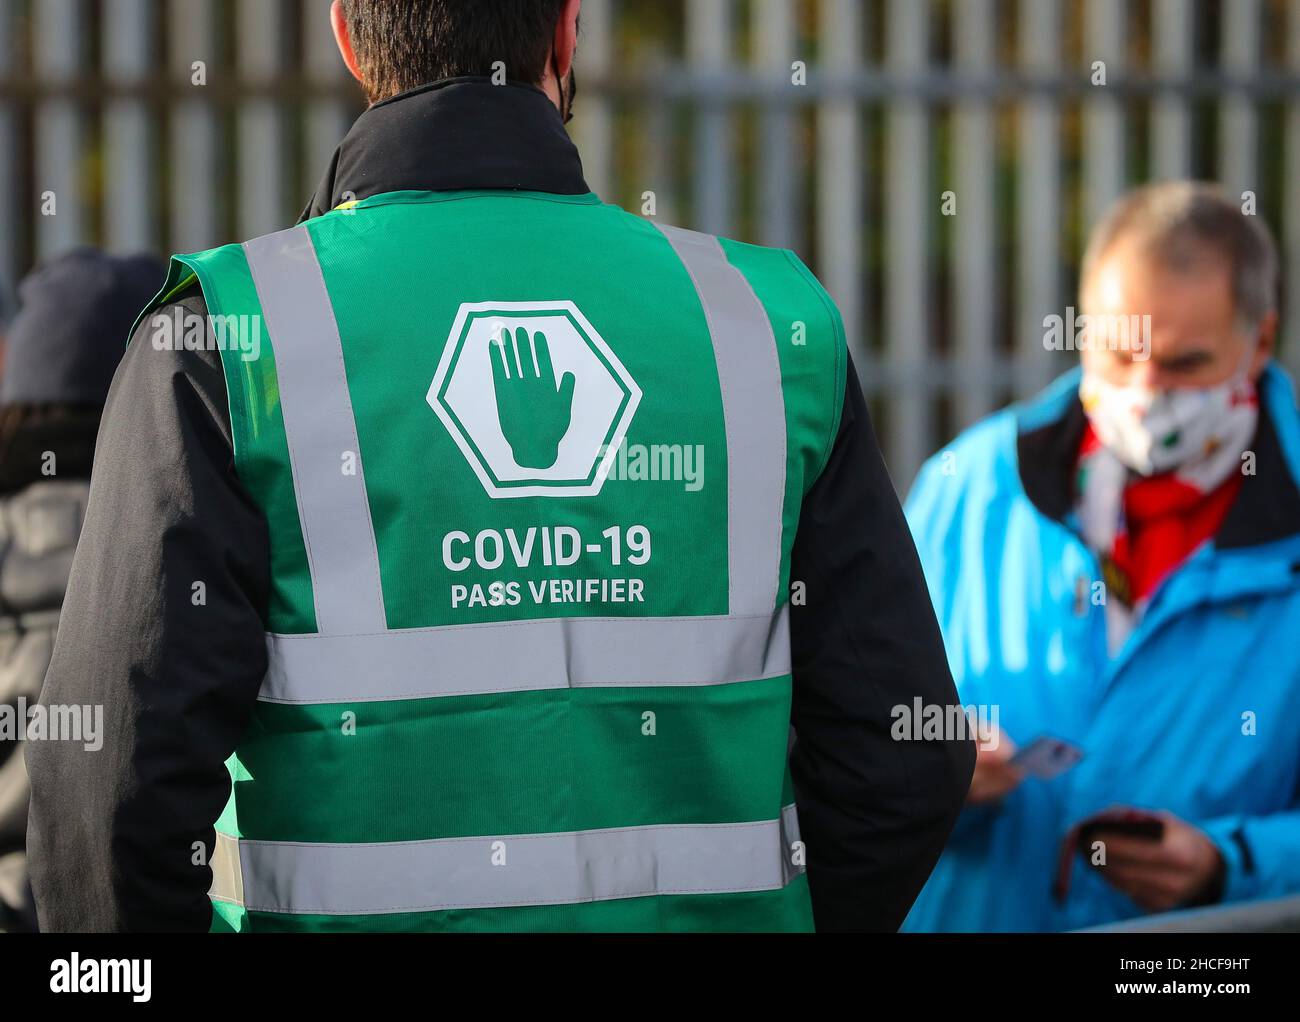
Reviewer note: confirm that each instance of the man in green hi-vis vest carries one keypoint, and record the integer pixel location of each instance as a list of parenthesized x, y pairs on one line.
[(479, 556)]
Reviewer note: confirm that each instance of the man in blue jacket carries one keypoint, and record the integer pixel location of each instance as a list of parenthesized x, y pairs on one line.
[(1116, 566)]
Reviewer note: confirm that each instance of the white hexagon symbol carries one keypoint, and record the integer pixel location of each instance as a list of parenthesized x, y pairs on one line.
[(534, 398)]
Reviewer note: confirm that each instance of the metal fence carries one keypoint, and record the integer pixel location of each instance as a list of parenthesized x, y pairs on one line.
[(1276, 915), (936, 161)]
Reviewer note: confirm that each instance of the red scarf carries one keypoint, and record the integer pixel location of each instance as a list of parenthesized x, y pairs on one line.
[(1165, 519)]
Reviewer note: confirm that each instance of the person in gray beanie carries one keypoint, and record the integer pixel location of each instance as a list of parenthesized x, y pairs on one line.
[(63, 347), (74, 315)]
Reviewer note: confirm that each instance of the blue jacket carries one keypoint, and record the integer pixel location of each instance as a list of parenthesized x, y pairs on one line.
[(1198, 714)]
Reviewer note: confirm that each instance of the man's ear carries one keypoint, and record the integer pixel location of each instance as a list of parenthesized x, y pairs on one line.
[(1265, 344), (344, 39), (565, 43)]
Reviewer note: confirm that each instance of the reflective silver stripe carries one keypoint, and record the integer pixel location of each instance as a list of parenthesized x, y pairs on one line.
[(753, 407), (513, 871), (520, 656), (321, 431)]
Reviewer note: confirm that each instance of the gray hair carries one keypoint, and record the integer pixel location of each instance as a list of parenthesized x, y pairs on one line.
[(1180, 222)]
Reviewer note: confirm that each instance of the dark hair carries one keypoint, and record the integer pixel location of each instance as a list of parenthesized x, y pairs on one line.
[(403, 44)]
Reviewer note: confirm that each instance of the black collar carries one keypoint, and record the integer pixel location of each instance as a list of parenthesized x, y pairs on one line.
[(453, 135), (1048, 459), (1267, 507)]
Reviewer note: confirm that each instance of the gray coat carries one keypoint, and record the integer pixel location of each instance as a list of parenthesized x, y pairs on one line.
[(39, 527)]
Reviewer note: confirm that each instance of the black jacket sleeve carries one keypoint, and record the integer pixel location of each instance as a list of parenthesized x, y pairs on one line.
[(163, 629), (874, 813)]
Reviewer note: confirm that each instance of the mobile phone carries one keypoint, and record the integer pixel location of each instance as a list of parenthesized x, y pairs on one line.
[(1047, 757), (1145, 828)]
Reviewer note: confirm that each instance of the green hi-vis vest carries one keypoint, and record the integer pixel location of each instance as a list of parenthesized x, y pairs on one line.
[(532, 468)]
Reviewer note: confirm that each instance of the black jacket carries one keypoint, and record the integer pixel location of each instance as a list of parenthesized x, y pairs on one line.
[(112, 837)]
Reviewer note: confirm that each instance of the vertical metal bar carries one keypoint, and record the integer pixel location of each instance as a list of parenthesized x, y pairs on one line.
[(593, 123), (328, 118), (263, 204), (1171, 117), (907, 207), (59, 33), (1038, 221), (659, 160), (708, 50), (975, 227), (1238, 135), (774, 31), (193, 119), (129, 135), (840, 171), (10, 237), (1104, 153), (1291, 209)]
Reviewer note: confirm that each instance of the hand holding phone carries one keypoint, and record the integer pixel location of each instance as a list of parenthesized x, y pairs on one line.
[(1121, 821)]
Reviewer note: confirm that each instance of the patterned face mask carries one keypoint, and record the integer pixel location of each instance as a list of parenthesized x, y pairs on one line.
[(1184, 445), (1154, 431)]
